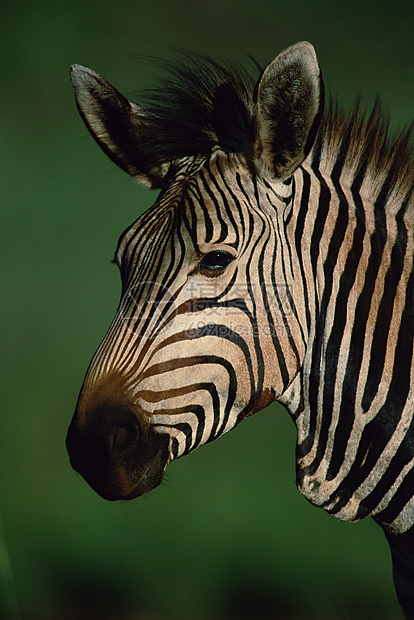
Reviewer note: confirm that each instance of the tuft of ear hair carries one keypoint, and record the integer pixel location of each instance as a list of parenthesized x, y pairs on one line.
[(276, 120), (118, 125), (289, 101)]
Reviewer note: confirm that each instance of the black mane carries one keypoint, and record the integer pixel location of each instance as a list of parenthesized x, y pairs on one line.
[(199, 105)]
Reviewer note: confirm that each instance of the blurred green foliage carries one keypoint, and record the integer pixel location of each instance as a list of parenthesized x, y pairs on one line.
[(226, 535)]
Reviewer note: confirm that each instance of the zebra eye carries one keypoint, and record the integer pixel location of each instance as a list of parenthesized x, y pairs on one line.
[(214, 263)]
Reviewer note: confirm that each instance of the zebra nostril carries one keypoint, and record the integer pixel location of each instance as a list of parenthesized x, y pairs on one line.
[(125, 438)]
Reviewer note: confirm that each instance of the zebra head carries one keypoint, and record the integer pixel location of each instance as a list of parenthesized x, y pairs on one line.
[(206, 332)]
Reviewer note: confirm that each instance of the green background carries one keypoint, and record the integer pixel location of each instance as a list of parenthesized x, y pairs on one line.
[(226, 536)]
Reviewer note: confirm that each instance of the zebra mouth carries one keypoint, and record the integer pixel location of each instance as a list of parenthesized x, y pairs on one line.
[(127, 480), (118, 462), (150, 478)]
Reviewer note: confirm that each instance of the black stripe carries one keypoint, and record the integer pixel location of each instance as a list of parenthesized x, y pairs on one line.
[(383, 321), (210, 229), (186, 427), (299, 230)]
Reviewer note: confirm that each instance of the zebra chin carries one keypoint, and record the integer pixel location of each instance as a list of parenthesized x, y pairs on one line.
[(118, 454)]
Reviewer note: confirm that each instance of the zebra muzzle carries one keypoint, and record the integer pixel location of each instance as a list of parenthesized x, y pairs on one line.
[(117, 454)]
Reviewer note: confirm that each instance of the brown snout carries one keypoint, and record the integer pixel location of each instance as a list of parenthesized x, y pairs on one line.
[(114, 447)]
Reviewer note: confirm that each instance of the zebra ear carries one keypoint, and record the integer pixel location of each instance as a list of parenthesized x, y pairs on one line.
[(288, 107), (118, 125)]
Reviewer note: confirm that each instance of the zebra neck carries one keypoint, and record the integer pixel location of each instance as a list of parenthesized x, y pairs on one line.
[(353, 398)]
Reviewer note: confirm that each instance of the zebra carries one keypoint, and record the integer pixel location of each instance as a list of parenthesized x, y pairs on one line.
[(275, 264)]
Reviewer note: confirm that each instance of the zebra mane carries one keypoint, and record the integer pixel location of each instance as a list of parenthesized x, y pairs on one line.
[(359, 141), (202, 104), (199, 105)]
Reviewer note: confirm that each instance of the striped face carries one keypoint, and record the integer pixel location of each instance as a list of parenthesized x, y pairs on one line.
[(206, 332), (199, 340)]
